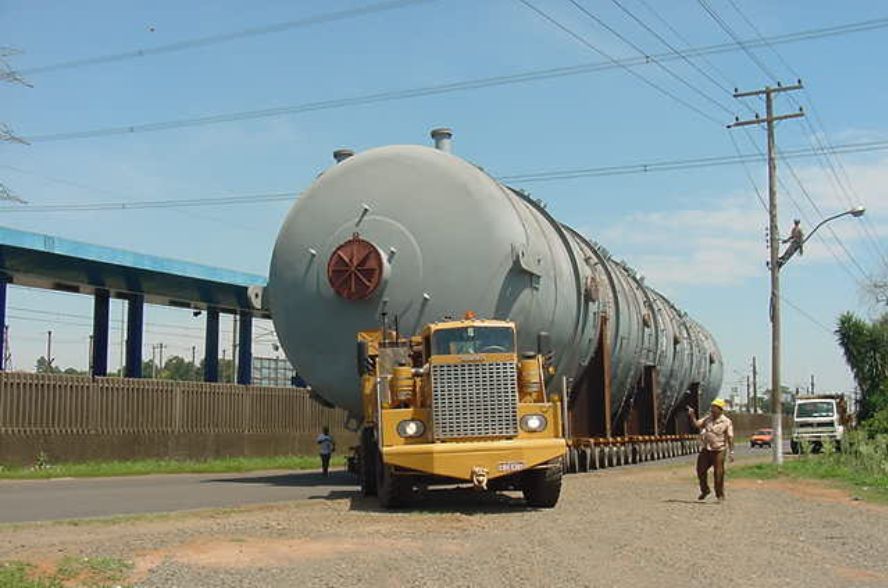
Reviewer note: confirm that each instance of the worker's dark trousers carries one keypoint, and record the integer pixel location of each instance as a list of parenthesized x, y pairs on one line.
[(716, 460)]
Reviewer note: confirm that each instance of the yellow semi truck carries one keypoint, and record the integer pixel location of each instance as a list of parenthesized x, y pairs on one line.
[(457, 405)]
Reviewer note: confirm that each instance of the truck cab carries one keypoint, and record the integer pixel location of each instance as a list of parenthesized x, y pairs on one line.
[(818, 420), (458, 404)]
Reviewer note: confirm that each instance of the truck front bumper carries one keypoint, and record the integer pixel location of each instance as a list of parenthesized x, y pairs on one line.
[(458, 460)]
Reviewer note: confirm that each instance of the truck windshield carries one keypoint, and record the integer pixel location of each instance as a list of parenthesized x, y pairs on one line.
[(807, 410), (473, 340)]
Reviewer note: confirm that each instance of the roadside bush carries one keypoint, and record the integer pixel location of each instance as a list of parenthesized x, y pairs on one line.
[(876, 424), (866, 454)]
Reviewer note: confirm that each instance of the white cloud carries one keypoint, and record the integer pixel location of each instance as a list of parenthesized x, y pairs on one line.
[(724, 244)]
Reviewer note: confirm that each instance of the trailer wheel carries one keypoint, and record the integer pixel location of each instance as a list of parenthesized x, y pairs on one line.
[(542, 487), (391, 490), (369, 457), (573, 459), (582, 460)]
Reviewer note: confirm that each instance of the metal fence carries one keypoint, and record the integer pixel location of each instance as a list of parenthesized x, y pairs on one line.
[(57, 404)]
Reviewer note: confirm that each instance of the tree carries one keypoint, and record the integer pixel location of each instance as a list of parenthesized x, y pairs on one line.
[(45, 367), (787, 403), (176, 368), (865, 346)]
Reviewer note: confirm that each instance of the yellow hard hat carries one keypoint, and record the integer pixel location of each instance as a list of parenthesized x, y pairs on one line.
[(719, 403)]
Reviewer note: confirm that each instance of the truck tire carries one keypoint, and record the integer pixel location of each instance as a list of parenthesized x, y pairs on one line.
[(391, 490), (794, 447), (369, 458), (541, 488)]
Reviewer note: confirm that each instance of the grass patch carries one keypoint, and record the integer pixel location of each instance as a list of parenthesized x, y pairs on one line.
[(17, 574), (140, 467), (93, 571), (71, 571), (863, 466)]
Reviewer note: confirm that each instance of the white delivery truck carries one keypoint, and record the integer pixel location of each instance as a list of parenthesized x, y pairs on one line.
[(817, 420)]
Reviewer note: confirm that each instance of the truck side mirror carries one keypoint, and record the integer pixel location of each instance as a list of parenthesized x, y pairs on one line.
[(363, 359)]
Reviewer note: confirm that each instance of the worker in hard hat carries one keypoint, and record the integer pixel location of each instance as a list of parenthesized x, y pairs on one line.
[(716, 443), (796, 239)]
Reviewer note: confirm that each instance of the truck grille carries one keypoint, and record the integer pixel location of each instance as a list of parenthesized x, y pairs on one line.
[(475, 400)]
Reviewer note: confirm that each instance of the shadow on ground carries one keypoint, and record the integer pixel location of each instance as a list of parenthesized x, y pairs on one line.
[(340, 485), (294, 480)]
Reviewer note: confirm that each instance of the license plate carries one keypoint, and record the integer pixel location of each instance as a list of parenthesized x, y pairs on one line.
[(511, 466)]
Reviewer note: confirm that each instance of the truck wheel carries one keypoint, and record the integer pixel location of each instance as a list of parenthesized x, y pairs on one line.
[(542, 488), (390, 489), (794, 447), (369, 457)]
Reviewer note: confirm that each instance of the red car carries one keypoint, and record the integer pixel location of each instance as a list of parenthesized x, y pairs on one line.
[(762, 438)]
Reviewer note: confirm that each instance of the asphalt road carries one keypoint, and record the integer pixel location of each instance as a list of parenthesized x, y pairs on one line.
[(75, 498)]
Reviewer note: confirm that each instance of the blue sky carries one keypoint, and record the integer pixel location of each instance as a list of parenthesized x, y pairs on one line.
[(696, 234)]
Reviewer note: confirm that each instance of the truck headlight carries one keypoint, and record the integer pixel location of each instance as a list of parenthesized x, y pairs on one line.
[(411, 428), (533, 423)]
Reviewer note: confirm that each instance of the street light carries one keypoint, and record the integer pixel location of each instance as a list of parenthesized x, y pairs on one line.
[(856, 212), (776, 392)]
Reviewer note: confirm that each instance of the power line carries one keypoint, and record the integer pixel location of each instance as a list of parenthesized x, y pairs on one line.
[(846, 188), (764, 68), (655, 61), (149, 204), (465, 85), (807, 315), (730, 32), (220, 38), (529, 177), (669, 46)]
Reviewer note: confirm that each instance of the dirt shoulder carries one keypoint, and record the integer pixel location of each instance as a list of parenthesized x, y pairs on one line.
[(627, 526)]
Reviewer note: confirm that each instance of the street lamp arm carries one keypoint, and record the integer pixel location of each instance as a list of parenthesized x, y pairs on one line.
[(854, 211)]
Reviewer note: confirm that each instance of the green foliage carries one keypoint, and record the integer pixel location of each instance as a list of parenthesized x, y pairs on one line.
[(167, 466), (865, 346), (16, 574), (43, 366), (877, 424), (71, 571), (93, 570), (862, 462)]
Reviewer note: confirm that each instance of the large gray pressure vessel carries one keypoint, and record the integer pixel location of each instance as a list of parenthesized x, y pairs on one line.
[(421, 234)]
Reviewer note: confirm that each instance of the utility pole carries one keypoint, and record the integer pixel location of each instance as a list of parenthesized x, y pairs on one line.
[(748, 405), (234, 347), (812, 384), (160, 361), (774, 237), (755, 391), (193, 361), (49, 351), (7, 350)]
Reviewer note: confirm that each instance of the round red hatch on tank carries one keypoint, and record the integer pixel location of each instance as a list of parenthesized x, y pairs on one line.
[(355, 269)]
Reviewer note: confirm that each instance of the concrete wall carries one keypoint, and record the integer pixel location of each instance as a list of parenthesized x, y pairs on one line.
[(745, 423), (74, 418)]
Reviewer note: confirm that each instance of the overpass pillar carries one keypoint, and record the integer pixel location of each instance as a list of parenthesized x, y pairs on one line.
[(4, 279), (135, 314), (101, 311), (245, 348), (211, 346)]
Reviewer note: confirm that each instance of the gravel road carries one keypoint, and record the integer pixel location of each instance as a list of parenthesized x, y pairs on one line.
[(633, 526)]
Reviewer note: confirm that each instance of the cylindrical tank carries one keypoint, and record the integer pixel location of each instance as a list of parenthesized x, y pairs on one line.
[(419, 234)]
